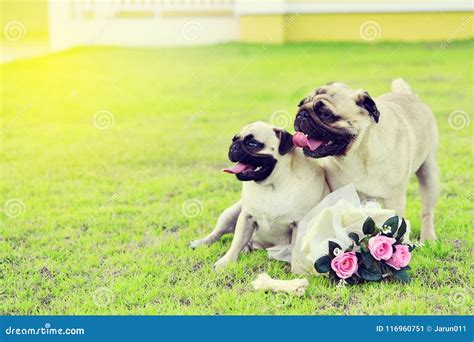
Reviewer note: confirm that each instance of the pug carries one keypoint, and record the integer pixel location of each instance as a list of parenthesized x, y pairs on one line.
[(280, 185), (377, 144)]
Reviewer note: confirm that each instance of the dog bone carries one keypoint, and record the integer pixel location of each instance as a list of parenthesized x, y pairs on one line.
[(295, 286)]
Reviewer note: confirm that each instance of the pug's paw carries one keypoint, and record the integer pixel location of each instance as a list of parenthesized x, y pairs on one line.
[(196, 243), (428, 236), (221, 263)]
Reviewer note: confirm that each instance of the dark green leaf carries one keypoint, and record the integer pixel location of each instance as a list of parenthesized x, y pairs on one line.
[(354, 237), (364, 245), (323, 264), (384, 267), (392, 222), (332, 246), (402, 230), (352, 280), (401, 276), (333, 277), (372, 274), (367, 259), (369, 226)]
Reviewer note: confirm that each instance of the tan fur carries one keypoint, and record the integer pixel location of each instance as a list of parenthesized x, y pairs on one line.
[(386, 154), (269, 210)]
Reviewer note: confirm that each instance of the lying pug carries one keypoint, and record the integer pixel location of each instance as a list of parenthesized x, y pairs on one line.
[(280, 185), (377, 144)]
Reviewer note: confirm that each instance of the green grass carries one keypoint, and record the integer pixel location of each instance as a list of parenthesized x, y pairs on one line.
[(103, 208)]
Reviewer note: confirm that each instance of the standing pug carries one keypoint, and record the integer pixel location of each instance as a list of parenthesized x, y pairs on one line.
[(375, 144), (280, 185)]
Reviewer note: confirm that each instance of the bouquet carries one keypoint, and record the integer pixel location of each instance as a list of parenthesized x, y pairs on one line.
[(379, 253)]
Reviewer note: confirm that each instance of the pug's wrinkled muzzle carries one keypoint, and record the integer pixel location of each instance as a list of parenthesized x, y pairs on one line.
[(249, 165), (237, 152), (307, 122)]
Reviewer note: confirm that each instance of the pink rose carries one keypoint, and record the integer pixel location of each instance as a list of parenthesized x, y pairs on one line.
[(400, 258), (381, 247), (345, 264)]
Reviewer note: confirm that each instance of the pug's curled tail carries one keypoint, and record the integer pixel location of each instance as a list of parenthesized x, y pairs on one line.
[(400, 86)]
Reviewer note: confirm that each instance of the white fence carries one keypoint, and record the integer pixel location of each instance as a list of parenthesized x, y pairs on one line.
[(192, 22), (141, 22)]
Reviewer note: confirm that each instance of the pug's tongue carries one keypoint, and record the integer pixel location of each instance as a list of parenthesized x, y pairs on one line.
[(301, 140), (314, 144), (237, 168)]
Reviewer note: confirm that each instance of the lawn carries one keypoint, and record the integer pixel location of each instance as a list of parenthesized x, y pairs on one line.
[(111, 162)]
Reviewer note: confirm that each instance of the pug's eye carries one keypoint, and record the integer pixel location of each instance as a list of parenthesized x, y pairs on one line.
[(252, 143), (326, 116)]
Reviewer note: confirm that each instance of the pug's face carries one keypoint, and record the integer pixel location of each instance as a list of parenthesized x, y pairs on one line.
[(257, 149), (332, 117)]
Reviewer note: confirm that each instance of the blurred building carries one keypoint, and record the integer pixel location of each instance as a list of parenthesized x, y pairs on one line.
[(355, 20), (142, 22), (67, 23)]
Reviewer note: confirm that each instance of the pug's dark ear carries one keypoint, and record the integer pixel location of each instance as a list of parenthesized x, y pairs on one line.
[(303, 101), (286, 141), (364, 100)]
